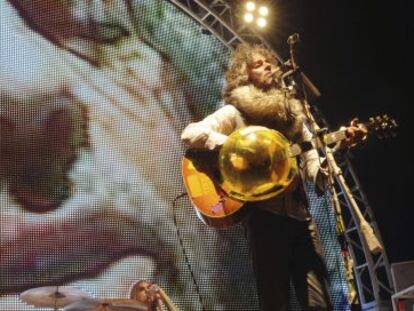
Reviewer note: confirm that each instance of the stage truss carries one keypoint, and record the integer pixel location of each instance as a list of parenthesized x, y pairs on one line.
[(372, 272)]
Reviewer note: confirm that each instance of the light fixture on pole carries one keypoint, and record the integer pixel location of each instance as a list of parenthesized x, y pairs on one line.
[(255, 13)]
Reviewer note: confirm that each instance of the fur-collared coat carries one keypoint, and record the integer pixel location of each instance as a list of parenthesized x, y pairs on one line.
[(249, 105)]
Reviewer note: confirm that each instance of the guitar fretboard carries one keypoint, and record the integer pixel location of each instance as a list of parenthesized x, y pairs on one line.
[(329, 139)]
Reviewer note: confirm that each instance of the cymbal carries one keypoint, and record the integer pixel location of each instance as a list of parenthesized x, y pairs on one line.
[(53, 296), (108, 305)]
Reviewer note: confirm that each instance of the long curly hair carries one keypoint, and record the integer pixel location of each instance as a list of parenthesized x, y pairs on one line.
[(273, 107), (237, 74)]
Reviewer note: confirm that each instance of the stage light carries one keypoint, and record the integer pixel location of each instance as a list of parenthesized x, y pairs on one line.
[(261, 22), (263, 11), (248, 17), (255, 13), (250, 6)]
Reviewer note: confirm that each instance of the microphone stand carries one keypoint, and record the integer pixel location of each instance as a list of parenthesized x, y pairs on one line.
[(334, 172), (297, 78)]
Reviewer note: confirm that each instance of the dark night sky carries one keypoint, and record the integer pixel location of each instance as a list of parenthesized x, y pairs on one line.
[(357, 53)]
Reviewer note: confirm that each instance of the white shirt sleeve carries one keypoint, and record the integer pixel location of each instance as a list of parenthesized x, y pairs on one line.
[(212, 131), (314, 166)]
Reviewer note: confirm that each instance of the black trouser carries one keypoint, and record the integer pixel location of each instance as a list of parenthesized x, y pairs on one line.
[(286, 249)]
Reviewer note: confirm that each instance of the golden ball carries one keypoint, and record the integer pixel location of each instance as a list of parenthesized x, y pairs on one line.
[(254, 164)]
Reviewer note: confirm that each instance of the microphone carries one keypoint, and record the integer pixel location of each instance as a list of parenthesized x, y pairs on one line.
[(294, 68), (292, 39)]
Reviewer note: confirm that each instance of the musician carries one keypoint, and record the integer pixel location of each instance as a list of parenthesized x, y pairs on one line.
[(283, 237), (152, 295)]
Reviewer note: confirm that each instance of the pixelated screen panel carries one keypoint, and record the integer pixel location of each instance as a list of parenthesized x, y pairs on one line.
[(93, 98)]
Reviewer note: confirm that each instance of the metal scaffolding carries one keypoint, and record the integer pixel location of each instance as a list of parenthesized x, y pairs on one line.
[(372, 272)]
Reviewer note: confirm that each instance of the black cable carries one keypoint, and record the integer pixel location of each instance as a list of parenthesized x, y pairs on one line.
[(187, 261)]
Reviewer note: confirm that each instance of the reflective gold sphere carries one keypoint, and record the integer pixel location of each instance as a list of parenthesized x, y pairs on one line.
[(254, 164)]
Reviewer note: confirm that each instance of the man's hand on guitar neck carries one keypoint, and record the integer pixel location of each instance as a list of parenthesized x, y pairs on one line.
[(356, 132)]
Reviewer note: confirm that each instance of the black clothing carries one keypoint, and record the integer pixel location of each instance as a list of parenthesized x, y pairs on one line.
[(283, 247)]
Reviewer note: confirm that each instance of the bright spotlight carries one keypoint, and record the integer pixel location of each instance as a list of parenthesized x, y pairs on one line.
[(248, 17), (261, 22), (250, 6), (255, 13), (263, 11)]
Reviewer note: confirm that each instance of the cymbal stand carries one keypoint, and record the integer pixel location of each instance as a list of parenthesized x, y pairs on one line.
[(55, 308)]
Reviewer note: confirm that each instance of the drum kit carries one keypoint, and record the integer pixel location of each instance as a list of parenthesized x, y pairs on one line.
[(72, 299)]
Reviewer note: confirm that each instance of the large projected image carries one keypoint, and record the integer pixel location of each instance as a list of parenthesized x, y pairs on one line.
[(93, 98)]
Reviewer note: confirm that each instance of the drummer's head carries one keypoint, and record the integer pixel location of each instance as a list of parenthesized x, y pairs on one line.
[(139, 291)]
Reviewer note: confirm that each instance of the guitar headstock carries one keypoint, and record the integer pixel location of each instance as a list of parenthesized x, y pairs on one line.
[(383, 126)]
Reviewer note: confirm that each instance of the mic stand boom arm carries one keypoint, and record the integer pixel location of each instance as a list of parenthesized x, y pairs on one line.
[(334, 172)]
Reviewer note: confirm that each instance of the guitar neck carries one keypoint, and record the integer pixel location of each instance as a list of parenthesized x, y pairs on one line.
[(328, 139), (334, 137)]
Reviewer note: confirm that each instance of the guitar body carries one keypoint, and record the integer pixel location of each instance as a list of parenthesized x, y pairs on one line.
[(202, 178), (213, 206)]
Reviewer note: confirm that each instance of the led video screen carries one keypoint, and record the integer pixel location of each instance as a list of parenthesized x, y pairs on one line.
[(93, 98)]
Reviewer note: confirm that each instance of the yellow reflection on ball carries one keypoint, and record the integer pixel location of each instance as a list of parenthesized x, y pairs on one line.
[(254, 164)]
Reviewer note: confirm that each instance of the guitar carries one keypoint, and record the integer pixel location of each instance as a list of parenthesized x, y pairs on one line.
[(216, 207)]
